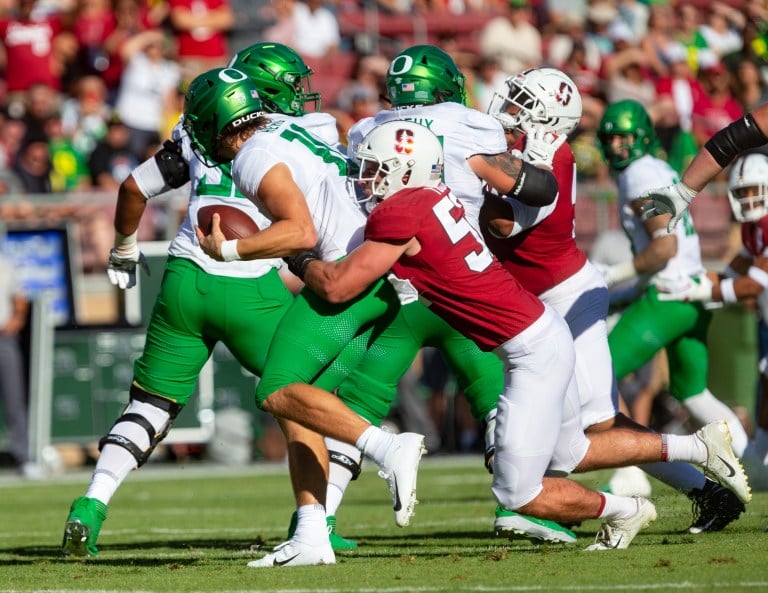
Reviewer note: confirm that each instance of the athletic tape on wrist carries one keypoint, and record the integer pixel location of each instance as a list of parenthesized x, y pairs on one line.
[(758, 275), (229, 250), (727, 292)]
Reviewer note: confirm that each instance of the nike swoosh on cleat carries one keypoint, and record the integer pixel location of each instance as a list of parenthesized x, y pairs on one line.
[(398, 504), (729, 466), (277, 562)]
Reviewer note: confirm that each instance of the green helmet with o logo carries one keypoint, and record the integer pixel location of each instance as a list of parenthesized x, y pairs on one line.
[(281, 76), (629, 119), (214, 100), (424, 75)]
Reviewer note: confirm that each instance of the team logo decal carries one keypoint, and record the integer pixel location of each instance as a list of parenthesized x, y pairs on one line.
[(564, 93), (404, 141)]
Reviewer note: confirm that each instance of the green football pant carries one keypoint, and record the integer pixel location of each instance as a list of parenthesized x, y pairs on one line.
[(193, 311), (679, 327)]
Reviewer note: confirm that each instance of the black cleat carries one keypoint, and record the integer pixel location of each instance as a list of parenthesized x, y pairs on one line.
[(714, 507)]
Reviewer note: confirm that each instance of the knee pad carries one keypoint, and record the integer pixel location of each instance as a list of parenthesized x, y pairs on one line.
[(133, 414), (346, 462)]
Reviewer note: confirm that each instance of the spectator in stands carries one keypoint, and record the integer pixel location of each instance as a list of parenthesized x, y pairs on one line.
[(40, 103), (512, 39), (625, 72), (750, 88), (316, 29), (571, 51), (14, 307), (112, 160), (33, 165), (12, 132), (36, 49), (85, 115), (148, 87), (128, 22), (680, 86), (201, 28), (489, 79), (689, 35), (717, 107), (635, 14), (94, 21), (600, 16), (661, 36), (723, 29), (69, 170)]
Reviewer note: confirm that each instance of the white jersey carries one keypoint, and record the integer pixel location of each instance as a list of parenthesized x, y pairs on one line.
[(464, 132), (319, 170), (209, 185), (649, 172)]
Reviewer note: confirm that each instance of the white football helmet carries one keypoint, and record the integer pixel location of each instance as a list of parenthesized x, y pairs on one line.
[(748, 187), (538, 97), (399, 154)]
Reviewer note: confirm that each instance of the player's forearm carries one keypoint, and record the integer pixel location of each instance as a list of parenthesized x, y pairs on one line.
[(130, 207), (655, 256), (332, 281), (281, 239)]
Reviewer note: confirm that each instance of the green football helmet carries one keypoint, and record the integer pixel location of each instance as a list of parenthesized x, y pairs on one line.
[(214, 100), (630, 120), (424, 75), (281, 76)]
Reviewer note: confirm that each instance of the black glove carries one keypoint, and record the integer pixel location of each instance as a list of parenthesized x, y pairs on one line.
[(298, 263)]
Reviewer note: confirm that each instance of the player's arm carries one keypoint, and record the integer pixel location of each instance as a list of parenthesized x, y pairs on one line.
[(343, 280), (513, 177), (292, 230), (748, 285), (662, 247)]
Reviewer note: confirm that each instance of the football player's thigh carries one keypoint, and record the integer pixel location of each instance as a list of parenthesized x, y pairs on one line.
[(645, 327), (251, 309), (313, 332), (688, 359), (176, 348), (371, 387)]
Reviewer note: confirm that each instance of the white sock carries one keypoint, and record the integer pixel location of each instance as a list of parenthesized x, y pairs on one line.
[(680, 476), (375, 443), (706, 408), (114, 465), (310, 525), (687, 448), (338, 475), (617, 507)]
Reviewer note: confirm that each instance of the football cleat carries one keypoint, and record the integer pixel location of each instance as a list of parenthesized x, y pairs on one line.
[(338, 543), (714, 507), (617, 534), (722, 465), (296, 553), (513, 525), (82, 527), (400, 469)]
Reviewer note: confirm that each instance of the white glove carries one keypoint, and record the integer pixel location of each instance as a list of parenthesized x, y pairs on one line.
[(541, 146), (121, 269), (616, 273), (673, 199), (689, 291)]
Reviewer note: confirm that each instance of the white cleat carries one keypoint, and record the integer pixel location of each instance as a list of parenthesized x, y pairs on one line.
[(722, 465), (400, 469), (617, 534), (296, 553), (630, 481)]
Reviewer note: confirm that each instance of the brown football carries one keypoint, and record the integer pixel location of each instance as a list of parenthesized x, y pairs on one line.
[(234, 223)]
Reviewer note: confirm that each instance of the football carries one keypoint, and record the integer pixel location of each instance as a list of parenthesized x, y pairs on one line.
[(234, 223)]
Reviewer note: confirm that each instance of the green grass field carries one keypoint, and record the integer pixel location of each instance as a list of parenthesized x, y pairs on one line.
[(194, 528)]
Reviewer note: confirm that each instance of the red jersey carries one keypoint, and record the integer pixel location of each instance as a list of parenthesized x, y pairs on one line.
[(454, 272), (201, 42), (546, 254), (754, 236), (29, 49)]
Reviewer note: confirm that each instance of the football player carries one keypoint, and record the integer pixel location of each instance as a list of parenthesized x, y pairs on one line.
[(745, 278), (663, 260), (538, 247), (420, 233)]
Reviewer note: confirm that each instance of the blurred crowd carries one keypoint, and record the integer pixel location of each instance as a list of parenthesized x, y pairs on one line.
[(90, 88)]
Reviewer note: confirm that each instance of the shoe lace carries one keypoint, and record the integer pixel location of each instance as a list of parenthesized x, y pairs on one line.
[(605, 536)]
